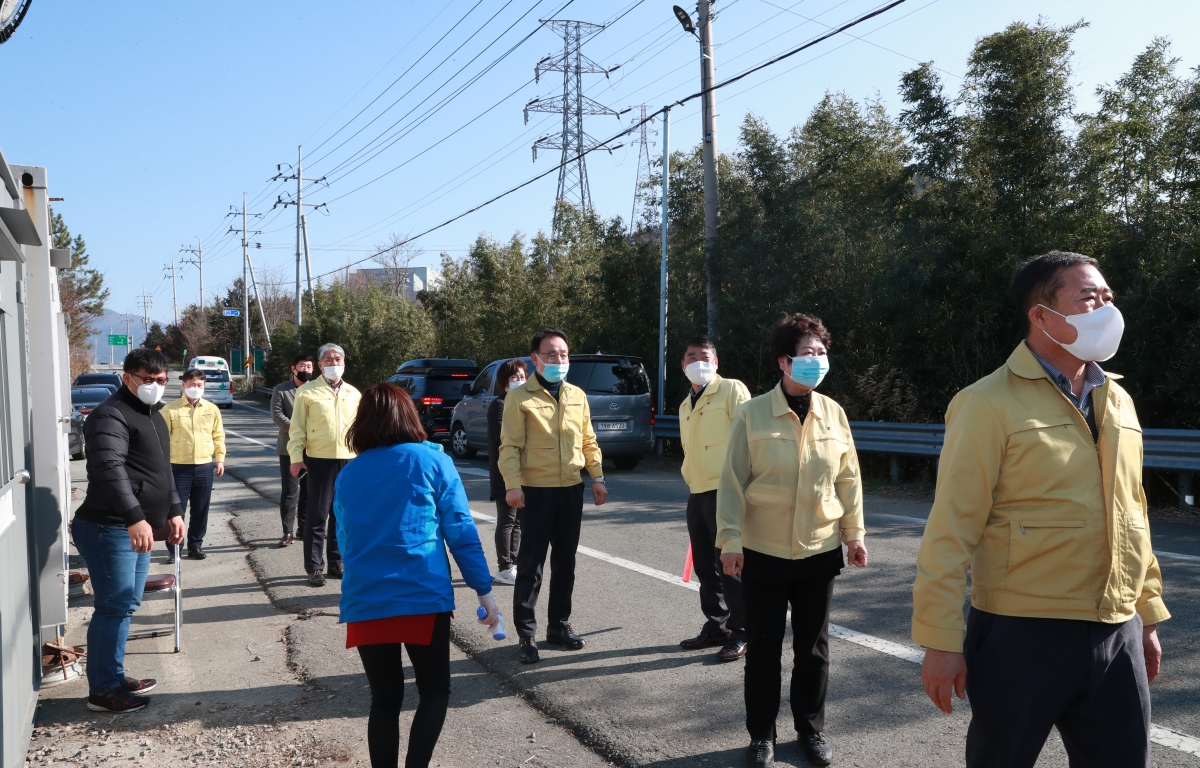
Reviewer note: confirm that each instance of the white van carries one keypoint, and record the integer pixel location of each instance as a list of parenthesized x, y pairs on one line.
[(218, 387)]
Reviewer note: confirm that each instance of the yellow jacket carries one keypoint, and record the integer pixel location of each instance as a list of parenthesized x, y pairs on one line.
[(789, 489), (197, 433), (704, 431), (1052, 523), (545, 443), (320, 420)]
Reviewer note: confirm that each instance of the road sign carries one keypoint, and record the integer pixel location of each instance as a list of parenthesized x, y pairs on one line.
[(115, 340), (231, 312)]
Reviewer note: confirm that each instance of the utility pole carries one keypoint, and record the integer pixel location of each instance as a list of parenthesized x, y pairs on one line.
[(128, 338), (301, 233), (110, 349), (174, 293), (709, 117), (662, 269), (198, 261), (247, 275), (312, 297), (147, 302), (573, 105)]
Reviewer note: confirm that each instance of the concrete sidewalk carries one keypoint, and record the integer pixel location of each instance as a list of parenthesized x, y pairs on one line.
[(263, 678)]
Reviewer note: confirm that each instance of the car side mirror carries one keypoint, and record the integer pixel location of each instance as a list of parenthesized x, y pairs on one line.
[(468, 389)]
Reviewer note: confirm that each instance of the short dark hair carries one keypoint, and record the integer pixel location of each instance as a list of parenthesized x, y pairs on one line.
[(699, 341), (791, 329), (143, 359), (505, 372), (386, 416), (301, 359), (1039, 279), (192, 373), (540, 336)]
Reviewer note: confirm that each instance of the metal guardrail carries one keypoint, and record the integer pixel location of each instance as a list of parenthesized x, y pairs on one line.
[(268, 391), (1169, 450)]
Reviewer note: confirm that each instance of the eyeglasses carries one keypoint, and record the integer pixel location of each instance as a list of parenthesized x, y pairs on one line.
[(150, 379), (555, 357)]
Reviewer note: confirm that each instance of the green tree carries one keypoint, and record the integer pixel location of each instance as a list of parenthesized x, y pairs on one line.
[(81, 291), (156, 337)]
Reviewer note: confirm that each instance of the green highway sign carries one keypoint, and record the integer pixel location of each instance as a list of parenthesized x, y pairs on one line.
[(118, 340)]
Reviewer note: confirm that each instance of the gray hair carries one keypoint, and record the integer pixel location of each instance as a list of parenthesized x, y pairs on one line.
[(329, 348)]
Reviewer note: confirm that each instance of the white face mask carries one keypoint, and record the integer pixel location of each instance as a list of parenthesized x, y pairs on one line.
[(333, 373), (700, 372), (513, 384), (1099, 336), (150, 393), (194, 393)]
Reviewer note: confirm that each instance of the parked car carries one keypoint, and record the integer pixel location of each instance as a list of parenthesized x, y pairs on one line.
[(218, 387), (85, 399), (436, 386), (618, 392), (75, 436), (92, 379)]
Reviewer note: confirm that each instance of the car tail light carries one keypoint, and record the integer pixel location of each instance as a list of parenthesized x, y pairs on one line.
[(652, 409), (431, 401), (441, 429)]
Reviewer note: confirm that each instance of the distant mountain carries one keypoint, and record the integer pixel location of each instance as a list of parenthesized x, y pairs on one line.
[(115, 322)]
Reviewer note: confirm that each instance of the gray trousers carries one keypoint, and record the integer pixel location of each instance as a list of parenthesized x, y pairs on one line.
[(720, 594), (1025, 676)]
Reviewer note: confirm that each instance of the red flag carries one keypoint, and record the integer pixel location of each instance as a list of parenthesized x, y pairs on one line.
[(687, 566)]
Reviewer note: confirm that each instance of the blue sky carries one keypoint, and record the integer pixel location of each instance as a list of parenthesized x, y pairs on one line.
[(154, 117)]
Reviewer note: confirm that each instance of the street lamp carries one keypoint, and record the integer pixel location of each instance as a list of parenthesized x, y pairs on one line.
[(685, 19)]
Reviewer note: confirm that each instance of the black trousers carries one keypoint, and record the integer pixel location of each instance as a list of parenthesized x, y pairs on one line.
[(385, 673), (293, 499), (320, 525), (551, 520), (770, 585), (720, 595), (194, 483), (1026, 675), (508, 535)]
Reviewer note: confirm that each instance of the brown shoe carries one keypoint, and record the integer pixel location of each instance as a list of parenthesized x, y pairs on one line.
[(732, 651), (704, 641), (286, 540), (317, 579)]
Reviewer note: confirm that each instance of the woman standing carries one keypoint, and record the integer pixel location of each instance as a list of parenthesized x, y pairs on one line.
[(509, 376), (399, 504), (788, 498)]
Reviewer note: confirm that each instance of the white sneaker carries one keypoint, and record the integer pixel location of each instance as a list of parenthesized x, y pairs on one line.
[(508, 576)]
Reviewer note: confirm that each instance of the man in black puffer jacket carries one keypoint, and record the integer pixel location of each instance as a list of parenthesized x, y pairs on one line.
[(131, 494)]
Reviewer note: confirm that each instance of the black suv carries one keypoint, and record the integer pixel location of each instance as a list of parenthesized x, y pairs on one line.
[(618, 392), (435, 385)]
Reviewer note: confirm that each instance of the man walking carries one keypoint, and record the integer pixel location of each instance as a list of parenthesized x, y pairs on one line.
[(293, 496), (322, 413), (546, 439), (705, 417), (197, 454), (1040, 493), (130, 496)]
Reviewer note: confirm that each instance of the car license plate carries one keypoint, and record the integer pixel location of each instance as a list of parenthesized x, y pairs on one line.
[(609, 425)]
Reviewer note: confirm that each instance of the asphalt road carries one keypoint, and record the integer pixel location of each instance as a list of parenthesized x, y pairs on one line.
[(641, 701)]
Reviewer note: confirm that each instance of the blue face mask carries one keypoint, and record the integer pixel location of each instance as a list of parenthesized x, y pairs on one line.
[(809, 370), (555, 372)]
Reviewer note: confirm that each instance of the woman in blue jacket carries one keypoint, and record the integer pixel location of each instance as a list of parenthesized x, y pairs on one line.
[(399, 504)]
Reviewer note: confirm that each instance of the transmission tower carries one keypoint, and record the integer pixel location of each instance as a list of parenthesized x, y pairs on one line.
[(641, 199), (572, 105)]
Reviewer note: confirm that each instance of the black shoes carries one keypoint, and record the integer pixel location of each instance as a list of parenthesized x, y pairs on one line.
[(335, 570), (286, 540), (817, 748), (563, 636), (761, 752), (732, 651), (171, 556), (196, 553), (117, 701), (527, 651), (316, 579), (132, 685), (704, 640)]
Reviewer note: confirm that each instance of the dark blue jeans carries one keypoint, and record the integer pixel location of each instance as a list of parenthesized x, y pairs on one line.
[(194, 482), (118, 576)]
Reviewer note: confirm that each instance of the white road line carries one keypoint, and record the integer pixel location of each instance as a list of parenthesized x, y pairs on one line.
[(472, 471), (920, 520), (1165, 737), (251, 407), (248, 439)]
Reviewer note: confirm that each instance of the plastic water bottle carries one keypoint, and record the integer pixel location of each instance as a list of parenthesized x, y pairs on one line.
[(498, 630)]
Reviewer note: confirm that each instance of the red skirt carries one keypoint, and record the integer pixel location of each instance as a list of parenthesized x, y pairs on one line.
[(415, 630)]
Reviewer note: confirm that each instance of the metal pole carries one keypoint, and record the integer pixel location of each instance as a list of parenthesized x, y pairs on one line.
[(312, 297), (299, 224), (258, 297), (200, 259), (709, 127), (110, 349), (174, 293), (662, 270), (247, 357), (128, 336)]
